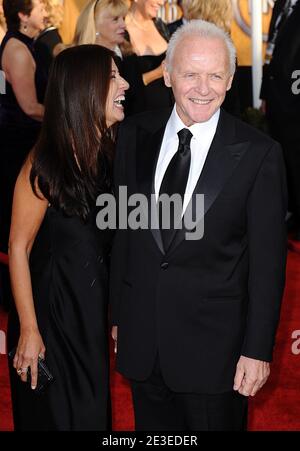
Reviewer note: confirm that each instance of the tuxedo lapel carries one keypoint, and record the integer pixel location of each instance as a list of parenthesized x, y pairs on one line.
[(223, 157), (148, 147)]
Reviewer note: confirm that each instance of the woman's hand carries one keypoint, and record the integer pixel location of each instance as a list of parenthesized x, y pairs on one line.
[(29, 349), (263, 107)]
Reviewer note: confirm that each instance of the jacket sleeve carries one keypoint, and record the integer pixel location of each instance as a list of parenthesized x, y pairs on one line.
[(266, 211), (118, 261)]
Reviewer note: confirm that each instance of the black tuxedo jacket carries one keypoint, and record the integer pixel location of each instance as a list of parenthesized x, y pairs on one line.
[(282, 105), (203, 303)]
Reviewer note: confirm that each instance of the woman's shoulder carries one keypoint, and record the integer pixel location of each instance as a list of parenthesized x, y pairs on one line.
[(12, 44), (16, 53), (15, 44)]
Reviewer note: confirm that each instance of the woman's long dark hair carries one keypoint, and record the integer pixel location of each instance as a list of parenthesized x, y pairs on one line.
[(71, 162)]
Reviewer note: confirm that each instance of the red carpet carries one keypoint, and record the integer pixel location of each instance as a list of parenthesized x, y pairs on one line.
[(276, 407)]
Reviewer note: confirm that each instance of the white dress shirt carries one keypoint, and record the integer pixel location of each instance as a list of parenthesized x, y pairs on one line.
[(203, 134)]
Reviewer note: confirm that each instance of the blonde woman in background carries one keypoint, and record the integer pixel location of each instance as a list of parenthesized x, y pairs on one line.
[(218, 12), (50, 38), (102, 22)]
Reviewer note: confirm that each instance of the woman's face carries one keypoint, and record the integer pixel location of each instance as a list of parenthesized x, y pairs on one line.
[(149, 8), (116, 96), (37, 16), (111, 28)]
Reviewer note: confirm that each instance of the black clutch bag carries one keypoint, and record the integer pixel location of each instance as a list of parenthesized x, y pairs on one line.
[(45, 378)]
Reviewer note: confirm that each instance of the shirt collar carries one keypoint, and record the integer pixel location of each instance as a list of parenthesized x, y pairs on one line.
[(175, 124)]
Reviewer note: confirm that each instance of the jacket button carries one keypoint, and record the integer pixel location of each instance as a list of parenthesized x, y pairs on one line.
[(164, 265)]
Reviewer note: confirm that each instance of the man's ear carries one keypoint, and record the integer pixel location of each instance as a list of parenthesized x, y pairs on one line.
[(166, 75), (229, 83)]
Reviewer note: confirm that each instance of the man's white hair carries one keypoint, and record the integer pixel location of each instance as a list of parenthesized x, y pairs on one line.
[(201, 29)]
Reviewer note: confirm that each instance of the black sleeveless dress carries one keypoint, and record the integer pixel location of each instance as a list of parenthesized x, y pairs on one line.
[(139, 97), (18, 134), (155, 95), (70, 288)]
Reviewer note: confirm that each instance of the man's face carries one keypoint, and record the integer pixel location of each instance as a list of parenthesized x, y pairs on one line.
[(199, 77)]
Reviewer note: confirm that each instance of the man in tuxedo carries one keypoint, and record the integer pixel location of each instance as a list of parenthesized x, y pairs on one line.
[(281, 94), (195, 320)]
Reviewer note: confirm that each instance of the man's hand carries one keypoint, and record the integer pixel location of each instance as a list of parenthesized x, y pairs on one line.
[(114, 334), (263, 107), (250, 376)]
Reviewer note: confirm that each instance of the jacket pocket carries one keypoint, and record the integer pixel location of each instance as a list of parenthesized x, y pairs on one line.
[(238, 298)]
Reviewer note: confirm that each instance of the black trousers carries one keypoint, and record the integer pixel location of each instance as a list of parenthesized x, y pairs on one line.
[(157, 408)]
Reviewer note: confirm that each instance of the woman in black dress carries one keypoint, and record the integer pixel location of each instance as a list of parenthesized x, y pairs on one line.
[(21, 106), (58, 255), (148, 37), (102, 22)]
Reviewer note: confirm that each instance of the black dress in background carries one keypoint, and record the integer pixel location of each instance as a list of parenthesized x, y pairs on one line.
[(139, 97), (18, 134), (155, 95), (70, 287)]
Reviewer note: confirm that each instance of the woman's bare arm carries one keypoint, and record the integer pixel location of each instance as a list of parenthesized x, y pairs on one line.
[(19, 68), (27, 215)]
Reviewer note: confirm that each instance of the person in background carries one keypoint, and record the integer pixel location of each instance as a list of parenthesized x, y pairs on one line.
[(148, 37), (58, 256), (102, 22), (21, 107), (49, 38), (281, 98), (218, 12)]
